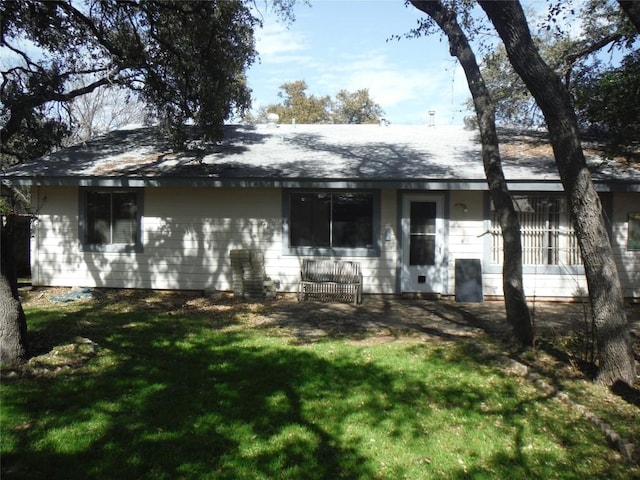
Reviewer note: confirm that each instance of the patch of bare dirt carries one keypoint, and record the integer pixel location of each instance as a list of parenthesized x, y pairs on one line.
[(61, 359), (560, 326), (378, 314)]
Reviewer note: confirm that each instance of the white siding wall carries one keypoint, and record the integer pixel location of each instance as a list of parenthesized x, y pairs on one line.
[(187, 235), (628, 261), (379, 274), (55, 258), (468, 238), (466, 211), (554, 285)]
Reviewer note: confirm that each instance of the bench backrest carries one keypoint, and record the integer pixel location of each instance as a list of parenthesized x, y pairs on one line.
[(338, 271)]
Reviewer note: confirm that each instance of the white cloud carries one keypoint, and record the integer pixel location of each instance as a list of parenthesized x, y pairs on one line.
[(276, 43), (407, 79), (391, 84)]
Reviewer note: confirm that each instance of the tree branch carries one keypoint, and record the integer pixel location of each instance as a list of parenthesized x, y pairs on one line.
[(27, 103), (571, 59), (65, 97), (22, 54), (87, 22)]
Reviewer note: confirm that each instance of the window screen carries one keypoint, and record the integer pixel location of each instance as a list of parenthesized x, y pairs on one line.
[(111, 218), (331, 220)]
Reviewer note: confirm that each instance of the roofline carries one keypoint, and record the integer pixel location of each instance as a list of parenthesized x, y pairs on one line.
[(338, 183)]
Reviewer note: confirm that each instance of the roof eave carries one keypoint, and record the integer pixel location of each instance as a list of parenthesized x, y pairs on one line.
[(342, 183)]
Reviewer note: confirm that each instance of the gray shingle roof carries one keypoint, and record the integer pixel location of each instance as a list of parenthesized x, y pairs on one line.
[(287, 154)]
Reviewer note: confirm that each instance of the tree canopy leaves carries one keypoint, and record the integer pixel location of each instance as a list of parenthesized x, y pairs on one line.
[(185, 59), (356, 107), (297, 106), (605, 91), (608, 103)]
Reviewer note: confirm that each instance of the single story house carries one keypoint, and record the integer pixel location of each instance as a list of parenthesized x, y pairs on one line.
[(407, 202)]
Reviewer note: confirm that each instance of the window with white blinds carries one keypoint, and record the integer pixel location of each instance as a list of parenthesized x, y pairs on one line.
[(547, 233), (110, 219)]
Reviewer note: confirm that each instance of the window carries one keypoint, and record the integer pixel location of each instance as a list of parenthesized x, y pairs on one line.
[(633, 239), (110, 220), (332, 222), (547, 233), (422, 233)]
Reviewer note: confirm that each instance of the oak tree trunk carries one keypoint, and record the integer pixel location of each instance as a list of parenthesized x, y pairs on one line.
[(632, 9), (13, 325), (518, 314), (615, 352)]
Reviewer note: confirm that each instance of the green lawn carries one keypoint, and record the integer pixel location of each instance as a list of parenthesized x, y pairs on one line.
[(210, 394)]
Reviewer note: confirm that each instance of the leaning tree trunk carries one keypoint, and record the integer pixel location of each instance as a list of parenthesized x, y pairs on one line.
[(518, 315), (13, 325), (615, 351)]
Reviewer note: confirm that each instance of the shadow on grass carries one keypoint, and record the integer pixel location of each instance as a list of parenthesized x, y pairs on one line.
[(179, 401), (181, 396)]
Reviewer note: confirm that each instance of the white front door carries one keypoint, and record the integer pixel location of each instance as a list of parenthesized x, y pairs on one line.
[(423, 243)]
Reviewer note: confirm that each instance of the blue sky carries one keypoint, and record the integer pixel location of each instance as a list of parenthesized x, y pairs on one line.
[(342, 44)]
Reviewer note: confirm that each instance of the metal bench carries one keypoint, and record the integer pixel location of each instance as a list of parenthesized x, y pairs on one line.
[(330, 280)]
